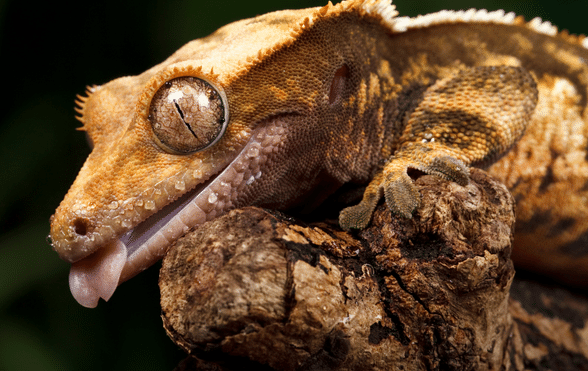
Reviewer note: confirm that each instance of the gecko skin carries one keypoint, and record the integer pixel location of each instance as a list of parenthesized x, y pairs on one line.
[(282, 109)]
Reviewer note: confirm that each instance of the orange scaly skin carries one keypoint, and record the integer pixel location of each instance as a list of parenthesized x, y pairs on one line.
[(307, 100)]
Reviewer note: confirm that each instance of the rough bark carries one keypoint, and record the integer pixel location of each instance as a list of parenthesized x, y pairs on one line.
[(257, 288)]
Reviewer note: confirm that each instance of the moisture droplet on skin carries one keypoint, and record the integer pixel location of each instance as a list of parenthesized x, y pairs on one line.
[(240, 166), (180, 185), (225, 189), (149, 204), (212, 197), (253, 152)]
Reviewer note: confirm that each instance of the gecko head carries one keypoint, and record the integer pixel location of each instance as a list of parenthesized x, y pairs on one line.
[(230, 120)]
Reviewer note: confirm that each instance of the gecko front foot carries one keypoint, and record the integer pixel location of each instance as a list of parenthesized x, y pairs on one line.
[(402, 196)]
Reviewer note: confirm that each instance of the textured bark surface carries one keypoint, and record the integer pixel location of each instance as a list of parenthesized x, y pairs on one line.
[(259, 289)]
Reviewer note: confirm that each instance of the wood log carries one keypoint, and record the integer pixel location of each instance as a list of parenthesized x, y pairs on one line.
[(258, 288)]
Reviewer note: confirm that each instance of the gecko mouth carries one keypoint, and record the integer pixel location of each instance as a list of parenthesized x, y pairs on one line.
[(98, 275)]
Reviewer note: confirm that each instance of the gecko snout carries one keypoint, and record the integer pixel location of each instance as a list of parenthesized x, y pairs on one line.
[(73, 238)]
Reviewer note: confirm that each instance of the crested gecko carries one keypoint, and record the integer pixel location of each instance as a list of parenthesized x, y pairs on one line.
[(282, 109)]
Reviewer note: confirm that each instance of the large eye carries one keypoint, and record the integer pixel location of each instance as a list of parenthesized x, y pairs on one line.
[(187, 114)]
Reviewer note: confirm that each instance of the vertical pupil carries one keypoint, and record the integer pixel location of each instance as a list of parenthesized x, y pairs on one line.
[(186, 114)]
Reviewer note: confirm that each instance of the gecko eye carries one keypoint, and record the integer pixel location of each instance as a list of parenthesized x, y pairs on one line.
[(187, 114)]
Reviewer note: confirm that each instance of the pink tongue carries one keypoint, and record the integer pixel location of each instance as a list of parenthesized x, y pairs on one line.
[(97, 276)]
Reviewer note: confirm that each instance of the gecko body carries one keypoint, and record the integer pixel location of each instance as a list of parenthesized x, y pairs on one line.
[(282, 109)]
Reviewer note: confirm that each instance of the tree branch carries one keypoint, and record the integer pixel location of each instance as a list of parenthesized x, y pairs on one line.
[(259, 288)]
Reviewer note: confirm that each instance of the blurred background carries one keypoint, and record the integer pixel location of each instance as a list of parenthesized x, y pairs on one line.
[(49, 52)]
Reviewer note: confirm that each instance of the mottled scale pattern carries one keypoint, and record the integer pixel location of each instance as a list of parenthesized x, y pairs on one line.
[(470, 118), (479, 113)]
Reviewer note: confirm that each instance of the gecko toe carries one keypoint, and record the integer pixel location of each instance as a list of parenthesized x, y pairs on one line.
[(355, 217), (359, 216), (449, 168), (402, 196)]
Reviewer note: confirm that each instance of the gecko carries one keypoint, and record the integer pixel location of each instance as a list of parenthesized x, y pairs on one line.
[(283, 109)]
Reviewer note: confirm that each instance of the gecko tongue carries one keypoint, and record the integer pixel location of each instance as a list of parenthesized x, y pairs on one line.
[(97, 276)]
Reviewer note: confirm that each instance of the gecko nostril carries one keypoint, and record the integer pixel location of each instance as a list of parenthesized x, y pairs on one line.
[(81, 226)]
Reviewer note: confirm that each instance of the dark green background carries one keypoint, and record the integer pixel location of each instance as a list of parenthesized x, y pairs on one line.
[(49, 52)]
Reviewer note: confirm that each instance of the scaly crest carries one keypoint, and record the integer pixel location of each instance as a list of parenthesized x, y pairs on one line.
[(403, 24)]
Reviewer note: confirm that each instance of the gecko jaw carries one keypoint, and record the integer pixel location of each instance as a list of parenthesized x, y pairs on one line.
[(98, 275)]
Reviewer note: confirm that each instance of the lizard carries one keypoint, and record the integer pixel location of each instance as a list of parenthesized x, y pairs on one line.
[(282, 109)]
